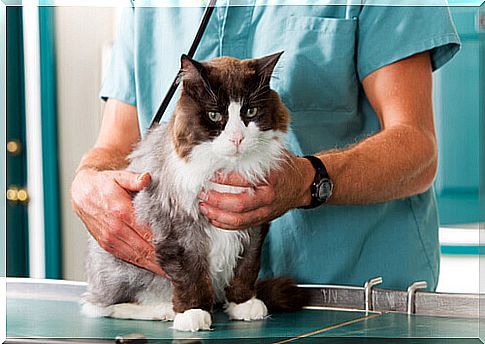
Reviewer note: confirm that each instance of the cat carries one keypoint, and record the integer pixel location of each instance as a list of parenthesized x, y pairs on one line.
[(226, 119)]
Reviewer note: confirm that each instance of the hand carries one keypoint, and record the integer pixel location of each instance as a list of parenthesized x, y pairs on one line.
[(286, 188), (103, 202)]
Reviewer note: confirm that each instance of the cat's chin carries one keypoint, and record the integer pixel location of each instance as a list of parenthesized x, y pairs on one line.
[(230, 157), (235, 157)]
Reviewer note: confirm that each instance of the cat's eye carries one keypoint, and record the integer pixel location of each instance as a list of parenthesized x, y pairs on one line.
[(252, 112), (214, 116)]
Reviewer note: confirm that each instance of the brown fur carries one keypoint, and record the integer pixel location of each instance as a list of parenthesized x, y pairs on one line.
[(281, 294), (242, 286), (187, 266)]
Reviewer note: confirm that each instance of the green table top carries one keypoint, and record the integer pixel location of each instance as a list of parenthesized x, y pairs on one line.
[(41, 316), (62, 319)]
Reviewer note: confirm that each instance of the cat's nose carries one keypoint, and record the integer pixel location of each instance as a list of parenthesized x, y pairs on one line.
[(237, 139)]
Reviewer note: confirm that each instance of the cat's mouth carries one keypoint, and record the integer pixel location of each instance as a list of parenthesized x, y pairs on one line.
[(232, 150), (235, 152)]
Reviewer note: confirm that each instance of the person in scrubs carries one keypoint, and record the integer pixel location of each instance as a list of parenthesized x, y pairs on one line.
[(357, 80)]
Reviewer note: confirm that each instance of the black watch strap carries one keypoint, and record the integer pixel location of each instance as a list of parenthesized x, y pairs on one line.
[(321, 174)]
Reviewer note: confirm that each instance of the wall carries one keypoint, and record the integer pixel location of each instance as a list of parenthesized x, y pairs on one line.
[(81, 35)]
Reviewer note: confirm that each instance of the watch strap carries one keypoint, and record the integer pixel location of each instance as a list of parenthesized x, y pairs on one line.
[(318, 165), (320, 173)]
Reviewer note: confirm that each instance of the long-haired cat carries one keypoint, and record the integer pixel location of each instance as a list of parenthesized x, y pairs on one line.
[(227, 119)]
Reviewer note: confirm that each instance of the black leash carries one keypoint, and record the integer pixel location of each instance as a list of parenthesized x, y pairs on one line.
[(171, 91)]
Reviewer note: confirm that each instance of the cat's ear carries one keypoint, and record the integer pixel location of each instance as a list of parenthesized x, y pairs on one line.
[(192, 70), (265, 65)]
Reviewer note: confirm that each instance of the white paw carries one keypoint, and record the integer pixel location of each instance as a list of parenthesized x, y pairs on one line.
[(162, 311), (94, 311), (192, 320), (166, 311), (253, 309)]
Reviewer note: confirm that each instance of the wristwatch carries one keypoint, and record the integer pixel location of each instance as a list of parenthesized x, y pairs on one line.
[(322, 186)]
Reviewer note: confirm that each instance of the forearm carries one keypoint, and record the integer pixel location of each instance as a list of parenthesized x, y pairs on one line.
[(102, 159), (395, 163)]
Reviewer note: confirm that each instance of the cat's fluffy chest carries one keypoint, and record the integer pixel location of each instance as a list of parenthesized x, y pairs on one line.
[(226, 247)]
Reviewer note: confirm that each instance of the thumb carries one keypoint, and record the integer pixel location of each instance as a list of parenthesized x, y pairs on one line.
[(132, 181)]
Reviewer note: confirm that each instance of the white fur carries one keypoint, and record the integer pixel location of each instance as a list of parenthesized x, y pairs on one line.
[(253, 309), (226, 248), (232, 139), (94, 311), (192, 320), (161, 311), (152, 295), (227, 188)]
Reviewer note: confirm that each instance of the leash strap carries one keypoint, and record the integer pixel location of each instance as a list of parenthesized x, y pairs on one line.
[(171, 91)]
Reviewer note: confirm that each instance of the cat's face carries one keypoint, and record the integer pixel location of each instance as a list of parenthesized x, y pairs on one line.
[(227, 105)]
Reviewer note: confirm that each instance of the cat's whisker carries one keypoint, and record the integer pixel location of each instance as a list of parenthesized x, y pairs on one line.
[(211, 93), (259, 101), (262, 85)]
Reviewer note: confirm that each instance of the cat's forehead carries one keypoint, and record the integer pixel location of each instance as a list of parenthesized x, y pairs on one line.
[(230, 72), (229, 65)]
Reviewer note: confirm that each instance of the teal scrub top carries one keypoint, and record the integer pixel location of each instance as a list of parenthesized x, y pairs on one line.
[(328, 51)]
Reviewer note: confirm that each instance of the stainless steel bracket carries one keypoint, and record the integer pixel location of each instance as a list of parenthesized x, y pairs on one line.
[(369, 306), (412, 295)]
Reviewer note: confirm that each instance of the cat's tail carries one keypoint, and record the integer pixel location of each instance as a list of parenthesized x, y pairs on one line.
[(280, 294)]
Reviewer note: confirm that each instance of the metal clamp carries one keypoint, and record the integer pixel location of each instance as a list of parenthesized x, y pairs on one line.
[(368, 292), (412, 295)]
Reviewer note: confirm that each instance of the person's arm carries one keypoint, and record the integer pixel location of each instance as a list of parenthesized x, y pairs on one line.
[(401, 159), (398, 161), (100, 191)]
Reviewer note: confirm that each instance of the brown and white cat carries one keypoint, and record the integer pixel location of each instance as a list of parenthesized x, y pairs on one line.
[(227, 119)]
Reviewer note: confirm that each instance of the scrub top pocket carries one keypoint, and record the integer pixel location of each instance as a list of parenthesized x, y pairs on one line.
[(317, 70)]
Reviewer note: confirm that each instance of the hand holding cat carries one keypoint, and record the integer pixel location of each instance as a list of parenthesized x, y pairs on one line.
[(286, 188), (103, 202)]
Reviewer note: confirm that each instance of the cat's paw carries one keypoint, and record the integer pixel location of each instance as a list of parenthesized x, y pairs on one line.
[(252, 309), (94, 311), (192, 320), (166, 311)]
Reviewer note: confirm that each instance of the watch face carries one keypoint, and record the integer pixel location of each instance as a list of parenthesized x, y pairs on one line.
[(324, 189)]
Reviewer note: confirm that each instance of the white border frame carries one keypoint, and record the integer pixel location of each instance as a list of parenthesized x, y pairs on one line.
[(34, 138)]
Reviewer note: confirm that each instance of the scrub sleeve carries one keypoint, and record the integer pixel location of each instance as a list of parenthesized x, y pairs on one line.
[(119, 82), (388, 34)]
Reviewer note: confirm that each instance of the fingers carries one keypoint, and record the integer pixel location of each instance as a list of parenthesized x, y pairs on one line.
[(155, 268), (237, 211), (123, 206), (125, 212), (235, 221), (223, 226), (104, 205), (231, 178), (113, 231), (238, 203), (142, 259), (123, 242), (132, 181)]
